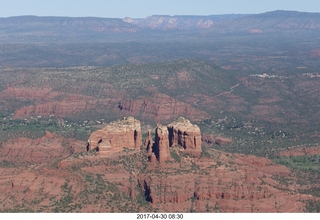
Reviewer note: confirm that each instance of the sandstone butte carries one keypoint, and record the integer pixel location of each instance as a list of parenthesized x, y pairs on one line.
[(183, 133), (116, 136), (126, 133)]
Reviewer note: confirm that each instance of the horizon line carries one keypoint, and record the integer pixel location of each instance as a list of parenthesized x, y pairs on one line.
[(164, 15)]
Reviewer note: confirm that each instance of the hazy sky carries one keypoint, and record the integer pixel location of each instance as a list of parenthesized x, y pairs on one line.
[(144, 8)]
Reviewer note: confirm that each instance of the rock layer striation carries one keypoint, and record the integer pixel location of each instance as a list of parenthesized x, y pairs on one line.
[(116, 136), (183, 133), (179, 133), (161, 145)]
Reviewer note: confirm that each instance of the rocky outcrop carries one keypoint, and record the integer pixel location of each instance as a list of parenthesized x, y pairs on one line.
[(215, 139), (182, 132), (249, 186), (125, 133), (148, 142), (160, 107), (222, 140), (46, 149), (149, 146), (104, 148), (165, 190), (161, 145)]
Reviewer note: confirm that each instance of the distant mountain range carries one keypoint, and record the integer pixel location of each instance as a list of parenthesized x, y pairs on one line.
[(264, 21), (34, 28), (165, 22)]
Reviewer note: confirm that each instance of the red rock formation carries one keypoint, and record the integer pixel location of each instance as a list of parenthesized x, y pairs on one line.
[(41, 150), (164, 190), (148, 142), (160, 107), (73, 104), (223, 189), (182, 132), (221, 140), (214, 139), (152, 158), (104, 148), (214, 184), (148, 145), (249, 186), (119, 134), (161, 145)]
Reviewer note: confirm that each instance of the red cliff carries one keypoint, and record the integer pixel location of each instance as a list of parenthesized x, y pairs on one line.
[(160, 107), (117, 135), (182, 132), (161, 145), (148, 142)]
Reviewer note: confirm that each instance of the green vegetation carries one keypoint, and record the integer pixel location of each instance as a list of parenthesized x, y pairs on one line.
[(308, 163), (109, 194), (311, 191), (312, 206), (36, 128), (5, 163), (259, 137), (18, 209), (240, 51), (175, 155), (205, 152), (66, 204), (141, 198)]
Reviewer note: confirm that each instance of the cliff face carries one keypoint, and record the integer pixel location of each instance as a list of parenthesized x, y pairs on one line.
[(148, 143), (182, 132), (160, 107), (41, 150), (246, 186), (117, 135), (161, 145), (209, 189)]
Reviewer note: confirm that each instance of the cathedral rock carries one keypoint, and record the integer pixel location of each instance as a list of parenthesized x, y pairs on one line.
[(178, 133), (126, 133), (116, 136), (183, 133)]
